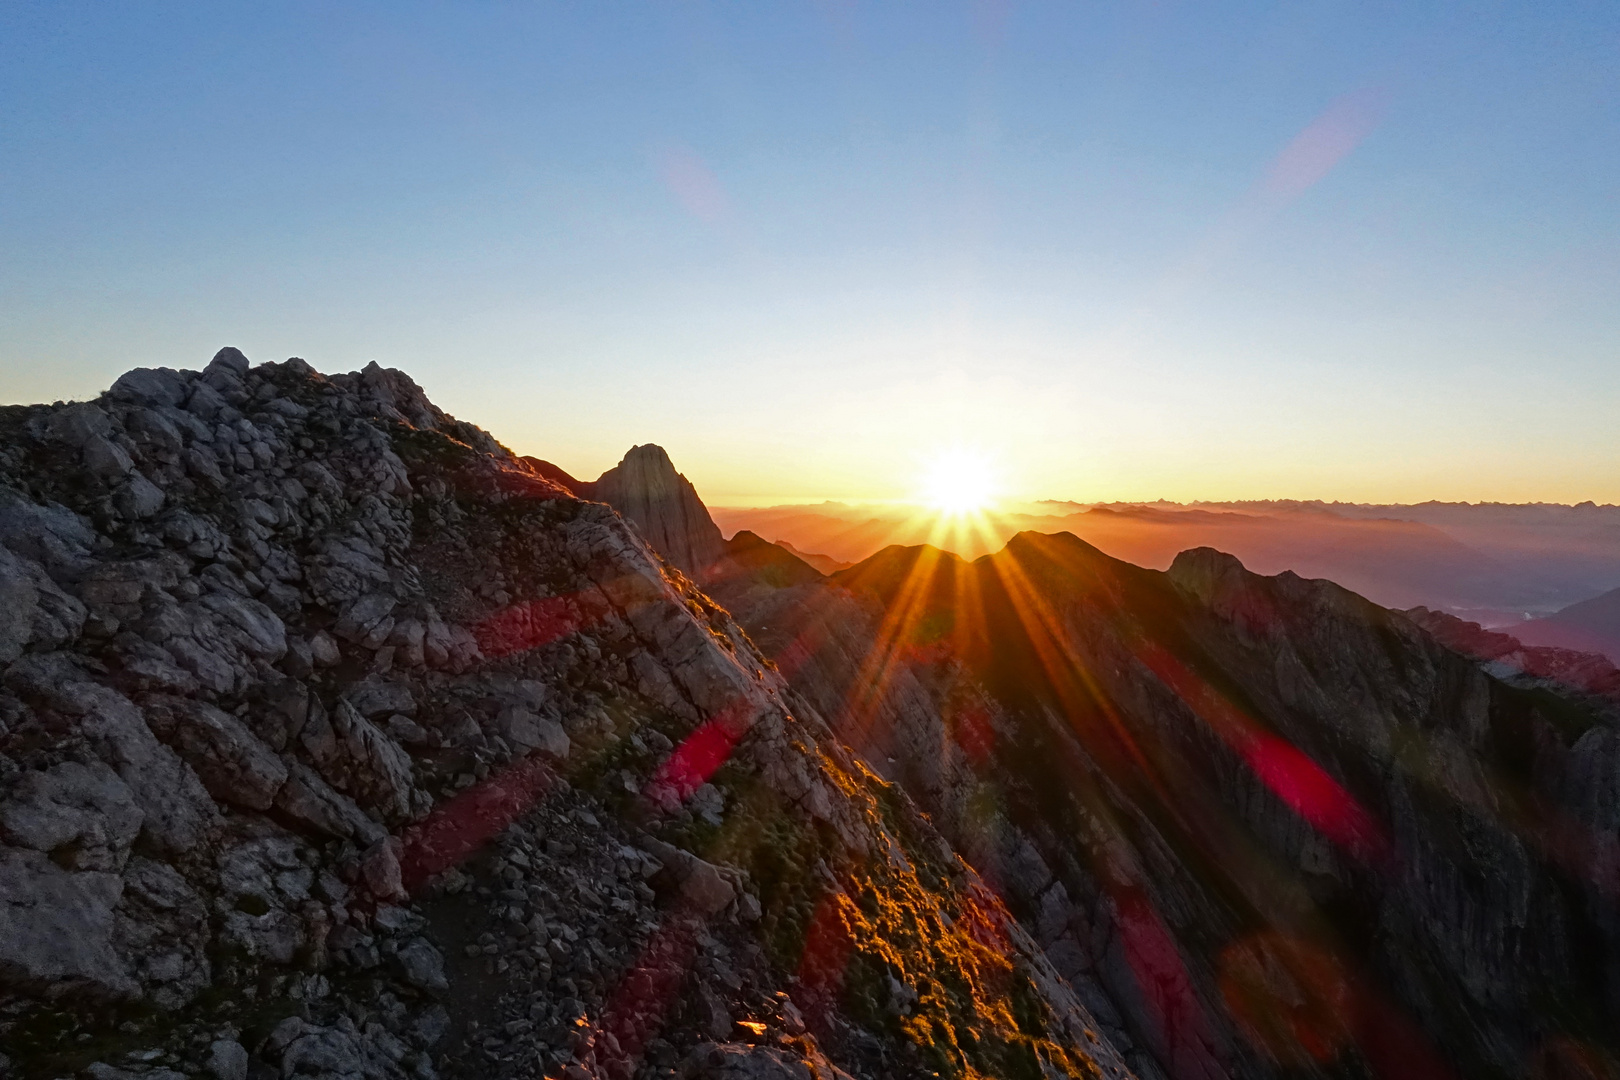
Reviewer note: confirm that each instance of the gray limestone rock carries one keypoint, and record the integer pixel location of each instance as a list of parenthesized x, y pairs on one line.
[(232, 763), (380, 697), (229, 362), (178, 813), (527, 731), (56, 928), (740, 1061), (331, 1053), (355, 756), (82, 815), (422, 965), (311, 802), (161, 931), (76, 425), (34, 612), (150, 386), (698, 883), (138, 498), (50, 534), (379, 868), (366, 617), (105, 458), (227, 1060)]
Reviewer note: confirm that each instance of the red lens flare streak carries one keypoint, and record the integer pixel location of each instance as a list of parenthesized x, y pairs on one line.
[(1302, 785), (1173, 1005)]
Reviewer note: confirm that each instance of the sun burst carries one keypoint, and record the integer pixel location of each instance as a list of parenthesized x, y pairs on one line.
[(958, 481)]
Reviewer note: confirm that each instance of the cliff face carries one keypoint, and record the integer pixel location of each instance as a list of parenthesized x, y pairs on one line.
[(647, 491), (335, 741), (1257, 823)]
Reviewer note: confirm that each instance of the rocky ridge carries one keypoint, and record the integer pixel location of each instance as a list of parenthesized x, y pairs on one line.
[(661, 503), (336, 741), (1509, 659), (1260, 825)]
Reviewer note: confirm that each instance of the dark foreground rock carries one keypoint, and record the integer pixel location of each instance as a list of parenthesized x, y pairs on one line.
[(337, 742)]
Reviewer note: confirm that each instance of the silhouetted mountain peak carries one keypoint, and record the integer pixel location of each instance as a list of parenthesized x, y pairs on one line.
[(645, 488)]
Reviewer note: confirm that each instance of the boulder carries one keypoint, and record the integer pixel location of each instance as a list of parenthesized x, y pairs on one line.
[(105, 458), (56, 928), (696, 883), (356, 756), (740, 1061), (310, 802), (230, 760), (422, 965), (177, 811), (82, 815), (381, 697), (34, 612), (526, 731), (150, 386), (138, 498), (227, 1060), (76, 425)]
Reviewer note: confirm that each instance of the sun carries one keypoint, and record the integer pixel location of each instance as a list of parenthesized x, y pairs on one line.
[(958, 480)]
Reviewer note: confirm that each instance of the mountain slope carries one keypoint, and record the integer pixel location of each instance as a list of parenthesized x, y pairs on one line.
[(1589, 626), (825, 563), (1510, 659), (1255, 821), (337, 742)]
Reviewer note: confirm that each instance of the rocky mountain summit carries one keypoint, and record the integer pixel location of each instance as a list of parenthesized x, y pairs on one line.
[(338, 742), (661, 503)]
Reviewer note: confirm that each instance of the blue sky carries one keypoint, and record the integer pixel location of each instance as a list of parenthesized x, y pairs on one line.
[(1337, 250)]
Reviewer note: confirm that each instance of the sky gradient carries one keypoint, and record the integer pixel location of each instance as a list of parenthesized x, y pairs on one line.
[(1360, 251)]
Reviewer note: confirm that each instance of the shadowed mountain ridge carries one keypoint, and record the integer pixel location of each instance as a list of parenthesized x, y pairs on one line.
[(1183, 778)]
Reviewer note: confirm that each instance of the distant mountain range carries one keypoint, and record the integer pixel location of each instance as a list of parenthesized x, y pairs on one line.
[(1492, 564)]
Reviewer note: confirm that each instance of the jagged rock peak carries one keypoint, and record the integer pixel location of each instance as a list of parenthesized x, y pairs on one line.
[(664, 506), (336, 741)]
